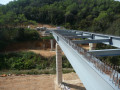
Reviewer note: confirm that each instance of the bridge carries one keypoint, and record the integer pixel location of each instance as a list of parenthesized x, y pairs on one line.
[(94, 73)]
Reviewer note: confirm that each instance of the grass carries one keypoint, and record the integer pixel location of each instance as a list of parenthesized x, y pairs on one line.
[(30, 63), (35, 71)]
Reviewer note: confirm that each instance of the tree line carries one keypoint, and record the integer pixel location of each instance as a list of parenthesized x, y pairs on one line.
[(101, 16), (12, 35), (89, 15)]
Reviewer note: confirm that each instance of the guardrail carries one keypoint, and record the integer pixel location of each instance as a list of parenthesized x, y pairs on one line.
[(103, 67)]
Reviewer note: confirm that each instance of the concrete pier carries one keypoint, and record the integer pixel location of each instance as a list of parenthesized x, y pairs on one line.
[(58, 64), (92, 46), (51, 42)]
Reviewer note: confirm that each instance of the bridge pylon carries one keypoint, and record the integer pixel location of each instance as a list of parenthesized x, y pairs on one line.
[(92, 46), (58, 64), (51, 42)]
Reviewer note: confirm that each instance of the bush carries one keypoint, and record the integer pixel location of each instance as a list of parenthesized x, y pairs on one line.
[(27, 35), (3, 44), (29, 60), (11, 35), (47, 37)]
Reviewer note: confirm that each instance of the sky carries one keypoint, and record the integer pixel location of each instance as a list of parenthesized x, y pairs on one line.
[(7, 1)]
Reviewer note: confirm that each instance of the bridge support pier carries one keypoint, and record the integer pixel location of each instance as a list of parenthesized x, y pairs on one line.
[(92, 46), (58, 64), (51, 42)]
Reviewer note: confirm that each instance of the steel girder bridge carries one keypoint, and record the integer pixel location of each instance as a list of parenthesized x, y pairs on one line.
[(94, 73)]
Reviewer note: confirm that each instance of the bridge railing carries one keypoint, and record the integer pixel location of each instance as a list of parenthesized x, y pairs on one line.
[(102, 66)]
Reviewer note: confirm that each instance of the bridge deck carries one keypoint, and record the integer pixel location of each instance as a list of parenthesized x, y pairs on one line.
[(95, 74)]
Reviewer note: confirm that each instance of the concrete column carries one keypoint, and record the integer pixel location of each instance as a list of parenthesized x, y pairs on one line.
[(92, 46), (58, 64), (43, 45), (51, 42)]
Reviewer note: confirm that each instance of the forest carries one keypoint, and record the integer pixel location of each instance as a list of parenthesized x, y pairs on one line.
[(12, 35), (101, 16), (89, 15)]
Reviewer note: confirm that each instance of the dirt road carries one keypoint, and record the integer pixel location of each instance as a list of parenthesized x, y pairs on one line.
[(39, 82), (45, 53), (27, 82)]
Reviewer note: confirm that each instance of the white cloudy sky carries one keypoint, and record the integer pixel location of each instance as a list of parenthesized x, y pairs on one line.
[(7, 1)]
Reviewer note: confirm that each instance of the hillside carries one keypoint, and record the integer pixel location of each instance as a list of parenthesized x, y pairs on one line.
[(101, 16), (0, 4), (90, 15)]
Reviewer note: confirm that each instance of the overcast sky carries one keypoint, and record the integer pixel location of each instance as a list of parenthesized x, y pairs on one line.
[(7, 1)]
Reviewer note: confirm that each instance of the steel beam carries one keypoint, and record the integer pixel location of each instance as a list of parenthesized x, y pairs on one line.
[(90, 41), (89, 75), (106, 52), (114, 40), (70, 37), (69, 34), (70, 31)]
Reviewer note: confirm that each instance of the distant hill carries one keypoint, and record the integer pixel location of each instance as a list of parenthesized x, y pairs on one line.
[(0, 4), (89, 15)]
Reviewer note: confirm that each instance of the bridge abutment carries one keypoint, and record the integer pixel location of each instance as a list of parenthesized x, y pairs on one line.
[(58, 64)]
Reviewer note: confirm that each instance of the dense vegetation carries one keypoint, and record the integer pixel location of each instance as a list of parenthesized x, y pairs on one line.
[(91, 15), (28, 60), (12, 35), (113, 60)]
